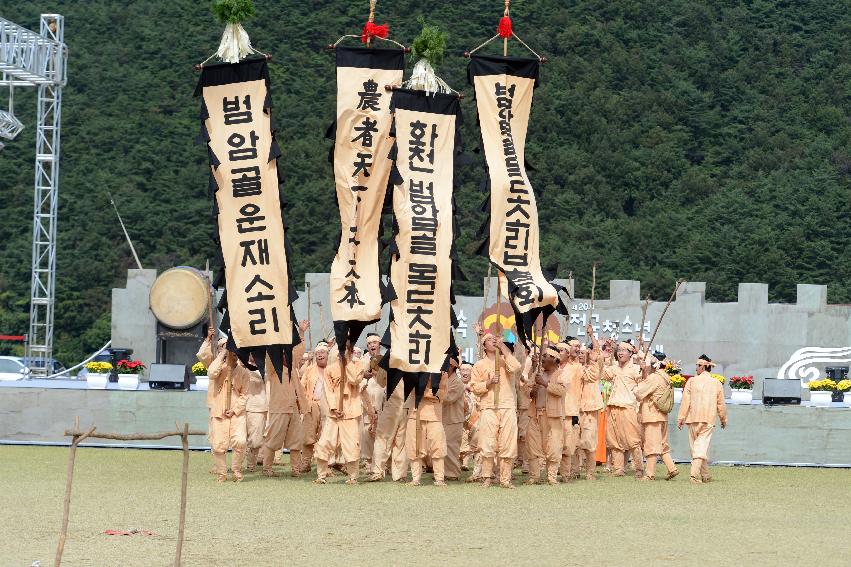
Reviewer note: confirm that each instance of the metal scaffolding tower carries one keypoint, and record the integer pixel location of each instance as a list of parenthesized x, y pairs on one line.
[(40, 59)]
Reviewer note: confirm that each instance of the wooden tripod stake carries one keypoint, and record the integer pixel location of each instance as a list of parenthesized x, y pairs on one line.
[(78, 436)]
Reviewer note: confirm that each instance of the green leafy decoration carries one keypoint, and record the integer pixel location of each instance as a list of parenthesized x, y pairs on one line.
[(233, 11), (430, 44)]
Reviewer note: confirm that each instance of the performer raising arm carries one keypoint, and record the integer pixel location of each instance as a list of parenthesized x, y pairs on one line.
[(623, 433), (498, 421), (340, 430)]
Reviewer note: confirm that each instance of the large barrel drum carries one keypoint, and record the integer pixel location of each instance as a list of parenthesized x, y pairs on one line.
[(180, 297)]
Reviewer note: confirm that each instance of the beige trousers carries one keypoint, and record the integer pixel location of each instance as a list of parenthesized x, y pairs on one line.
[(228, 433), (339, 434), (498, 433)]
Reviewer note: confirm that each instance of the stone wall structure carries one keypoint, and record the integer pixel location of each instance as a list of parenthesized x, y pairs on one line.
[(749, 336)]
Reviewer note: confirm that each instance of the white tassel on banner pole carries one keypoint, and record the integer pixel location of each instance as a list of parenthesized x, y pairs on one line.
[(424, 79), (235, 44)]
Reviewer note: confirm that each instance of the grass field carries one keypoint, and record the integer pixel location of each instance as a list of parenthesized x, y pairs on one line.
[(746, 516)]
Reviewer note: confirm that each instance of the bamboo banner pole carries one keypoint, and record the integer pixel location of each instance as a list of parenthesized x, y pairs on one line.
[(593, 287), (643, 320), (371, 19), (419, 429), (211, 323), (309, 309), (505, 40), (231, 364), (344, 353), (496, 360), (479, 352), (662, 316), (563, 319)]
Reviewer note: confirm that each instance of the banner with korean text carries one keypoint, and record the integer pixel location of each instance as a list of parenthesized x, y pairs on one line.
[(252, 263), (361, 173), (504, 88), (426, 129)]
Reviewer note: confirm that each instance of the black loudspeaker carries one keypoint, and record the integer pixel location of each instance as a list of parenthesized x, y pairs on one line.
[(169, 377), (778, 392)]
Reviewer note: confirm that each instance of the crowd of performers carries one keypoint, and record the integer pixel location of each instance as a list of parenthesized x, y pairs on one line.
[(507, 411)]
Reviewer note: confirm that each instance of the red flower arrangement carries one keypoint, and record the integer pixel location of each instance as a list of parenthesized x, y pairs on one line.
[(130, 367), (741, 382)]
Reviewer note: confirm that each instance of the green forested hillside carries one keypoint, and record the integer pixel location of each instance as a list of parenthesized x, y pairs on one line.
[(704, 139)]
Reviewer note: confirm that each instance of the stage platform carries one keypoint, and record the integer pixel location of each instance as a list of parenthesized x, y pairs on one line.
[(39, 411)]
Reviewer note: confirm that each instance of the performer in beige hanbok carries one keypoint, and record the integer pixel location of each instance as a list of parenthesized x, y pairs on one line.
[(498, 407), (654, 422), (313, 385), (341, 431), (545, 437), (623, 431), (229, 385), (453, 423), (703, 403)]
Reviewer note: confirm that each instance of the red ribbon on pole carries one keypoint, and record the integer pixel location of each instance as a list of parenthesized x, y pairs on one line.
[(504, 28), (371, 30)]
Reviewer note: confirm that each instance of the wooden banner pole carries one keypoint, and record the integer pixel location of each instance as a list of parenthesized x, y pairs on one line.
[(662, 316), (499, 331)]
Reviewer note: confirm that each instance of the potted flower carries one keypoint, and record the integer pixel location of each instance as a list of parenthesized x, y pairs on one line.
[(821, 392), (678, 382), (741, 389), (202, 382), (672, 367), (97, 375), (844, 386), (128, 374)]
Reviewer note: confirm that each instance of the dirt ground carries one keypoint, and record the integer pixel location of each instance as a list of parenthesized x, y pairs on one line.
[(746, 516)]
